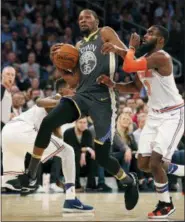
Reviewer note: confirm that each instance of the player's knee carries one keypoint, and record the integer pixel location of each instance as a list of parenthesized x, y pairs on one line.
[(154, 165), (47, 123), (143, 163)]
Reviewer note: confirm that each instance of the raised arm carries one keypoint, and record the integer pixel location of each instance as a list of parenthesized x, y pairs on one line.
[(157, 60), (112, 42)]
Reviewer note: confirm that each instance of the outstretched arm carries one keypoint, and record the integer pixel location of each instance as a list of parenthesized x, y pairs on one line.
[(49, 102), (131, 87)]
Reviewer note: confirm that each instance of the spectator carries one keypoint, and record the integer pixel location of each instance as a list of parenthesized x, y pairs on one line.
[(31, 63), (18, 102), (6, 34), (80, 138)]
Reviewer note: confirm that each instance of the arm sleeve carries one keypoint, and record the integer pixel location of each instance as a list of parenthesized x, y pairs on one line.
[(133, 65)]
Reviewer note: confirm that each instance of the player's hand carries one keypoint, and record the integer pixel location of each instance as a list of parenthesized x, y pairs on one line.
[(134, 40), (92, 153), (108, 47), (83, 159), (128, 155), (103, 79), (54, 49)]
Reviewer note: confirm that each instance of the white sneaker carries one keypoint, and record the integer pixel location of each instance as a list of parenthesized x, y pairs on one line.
[(41, 189), (55, 189)]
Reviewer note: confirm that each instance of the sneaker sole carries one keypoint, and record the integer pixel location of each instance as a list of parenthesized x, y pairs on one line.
[(163, 216), (11, 187), (74, 210)]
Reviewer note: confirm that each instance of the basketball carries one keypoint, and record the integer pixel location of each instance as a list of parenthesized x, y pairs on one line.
[(66, 57)]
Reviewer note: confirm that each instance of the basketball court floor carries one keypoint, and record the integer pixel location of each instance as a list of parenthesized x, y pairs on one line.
[(108, 207)]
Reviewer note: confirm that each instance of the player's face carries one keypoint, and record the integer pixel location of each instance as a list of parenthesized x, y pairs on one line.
[(150, 38), (8, 78), (81, 124), (87, 22)]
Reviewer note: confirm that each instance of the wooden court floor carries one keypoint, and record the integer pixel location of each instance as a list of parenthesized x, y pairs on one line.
[(108, 207)]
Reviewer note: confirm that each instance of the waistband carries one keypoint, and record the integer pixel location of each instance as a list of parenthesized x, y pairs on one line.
[(169, 108)]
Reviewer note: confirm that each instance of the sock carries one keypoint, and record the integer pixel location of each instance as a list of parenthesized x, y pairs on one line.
[(162, 192), (123, 177), (33, 166), (175, 169), (70, 191)]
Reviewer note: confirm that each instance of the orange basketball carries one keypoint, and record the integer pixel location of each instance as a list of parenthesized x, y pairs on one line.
[(66, 57)]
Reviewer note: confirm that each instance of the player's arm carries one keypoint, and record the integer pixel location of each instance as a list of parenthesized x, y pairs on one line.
[(157, 60), (131, 87), (49, 102), (112, 42)]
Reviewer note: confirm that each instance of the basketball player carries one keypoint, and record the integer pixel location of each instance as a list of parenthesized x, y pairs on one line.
[(165, 124), (18, 138), (90, 99), (8, 78)]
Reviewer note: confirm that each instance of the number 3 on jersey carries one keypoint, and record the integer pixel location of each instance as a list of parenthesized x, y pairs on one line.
[(147, 87)]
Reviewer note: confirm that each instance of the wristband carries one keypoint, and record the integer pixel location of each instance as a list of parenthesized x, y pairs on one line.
[(132, 47)]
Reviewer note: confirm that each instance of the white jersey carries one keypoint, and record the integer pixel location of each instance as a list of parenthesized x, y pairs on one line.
[(162, 90), (33, 116)]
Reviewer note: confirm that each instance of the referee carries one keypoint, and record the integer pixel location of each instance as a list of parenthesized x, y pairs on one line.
[(8, 78)]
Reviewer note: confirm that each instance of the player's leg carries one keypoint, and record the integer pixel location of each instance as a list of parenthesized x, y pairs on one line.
[(104, 133), (65, 112), (163, 150), (16, 139), (71, 204)]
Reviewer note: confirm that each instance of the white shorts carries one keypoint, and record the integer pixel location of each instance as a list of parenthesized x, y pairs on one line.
[(162, 133), (18, 138)]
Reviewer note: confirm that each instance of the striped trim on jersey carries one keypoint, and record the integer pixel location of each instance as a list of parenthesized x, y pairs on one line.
[(177, 129), (112, 70)]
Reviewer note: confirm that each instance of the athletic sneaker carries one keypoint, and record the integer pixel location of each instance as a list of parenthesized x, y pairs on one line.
[(13, 185), (163, 210), (28, 185), (132, 192), (55, 189), (76, 206)]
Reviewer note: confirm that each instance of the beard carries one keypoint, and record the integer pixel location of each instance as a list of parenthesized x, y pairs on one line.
[(146, 48), (85, 32)]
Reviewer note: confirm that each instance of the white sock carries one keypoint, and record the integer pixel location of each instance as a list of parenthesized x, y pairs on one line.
[(162, 192), (68, 166), (175, 169), (70, 191)]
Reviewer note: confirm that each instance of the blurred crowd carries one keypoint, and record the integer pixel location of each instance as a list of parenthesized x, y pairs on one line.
[(30, 28)]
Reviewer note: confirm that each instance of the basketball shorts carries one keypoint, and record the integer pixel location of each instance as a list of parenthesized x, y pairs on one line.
[(162, 133), (102, 112)]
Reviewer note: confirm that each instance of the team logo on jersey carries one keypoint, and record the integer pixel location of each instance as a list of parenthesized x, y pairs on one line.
[(88, 62)]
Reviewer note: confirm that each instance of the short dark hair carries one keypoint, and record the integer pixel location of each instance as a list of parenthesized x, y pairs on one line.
[(92, 12), (163, 32), (60, 83)]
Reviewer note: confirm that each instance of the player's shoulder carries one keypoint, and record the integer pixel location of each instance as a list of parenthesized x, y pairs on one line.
[(106, 29), (162, 53)]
